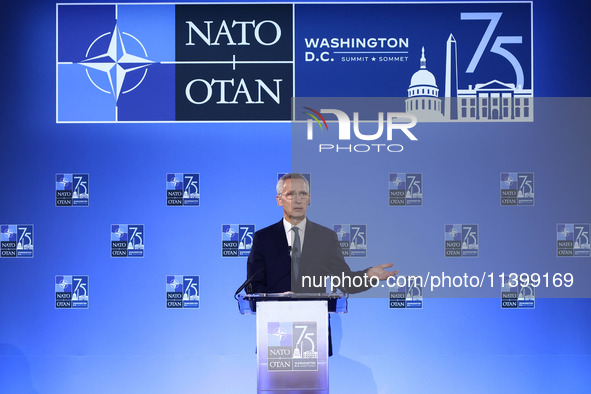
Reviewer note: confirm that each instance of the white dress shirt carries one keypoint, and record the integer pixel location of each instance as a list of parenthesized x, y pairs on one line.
[(290, 234)]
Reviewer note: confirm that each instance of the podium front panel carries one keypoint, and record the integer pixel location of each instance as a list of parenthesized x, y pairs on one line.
[(292, 343)]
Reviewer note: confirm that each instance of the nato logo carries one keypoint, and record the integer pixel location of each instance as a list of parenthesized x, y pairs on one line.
[(16, 240), (517, 188), (71, 292), (461, 240), (182, 291), (405, 189), (112, 63), (127, 240), (516, 295), (292, 346), (237, 239), (71, 190), (280, 346), (407, 293), (182, 189), (573, 240), (174, 62), (352, 239)]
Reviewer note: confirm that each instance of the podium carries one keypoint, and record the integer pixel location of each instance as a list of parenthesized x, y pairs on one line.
[(292, 339)]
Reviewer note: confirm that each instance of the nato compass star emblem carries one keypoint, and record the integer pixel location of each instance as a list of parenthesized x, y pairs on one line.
[(119, 233), (453, 232), (175, 181), (280, 334), (230, 232), (509, 181), (63, 284), (117, 63), (565, 232), (64, 182), (8, 234), (174, 285), (397, 181)]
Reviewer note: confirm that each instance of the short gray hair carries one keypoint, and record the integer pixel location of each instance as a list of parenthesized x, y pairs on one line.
[(291, 175)]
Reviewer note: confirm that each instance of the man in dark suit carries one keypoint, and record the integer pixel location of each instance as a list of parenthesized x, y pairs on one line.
[(295, 248), (285, 253)]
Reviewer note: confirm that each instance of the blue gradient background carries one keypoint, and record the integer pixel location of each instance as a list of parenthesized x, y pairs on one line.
[(127, 341)]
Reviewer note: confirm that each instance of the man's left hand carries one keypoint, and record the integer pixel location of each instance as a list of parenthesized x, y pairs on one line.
[(380, 272)]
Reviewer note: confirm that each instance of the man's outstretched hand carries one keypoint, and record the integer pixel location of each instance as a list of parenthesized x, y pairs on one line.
[(380, 272)]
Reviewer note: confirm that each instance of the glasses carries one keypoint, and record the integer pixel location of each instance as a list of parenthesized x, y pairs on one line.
[(293, 195)]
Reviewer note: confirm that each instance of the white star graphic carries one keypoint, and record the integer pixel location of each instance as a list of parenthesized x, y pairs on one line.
[(63, 283), (280, 334), (119, 233), (453, 232), (397, 181), (64, 182), (230, 232), (8, 233), (175, 181), (174, 284), (116, 63)]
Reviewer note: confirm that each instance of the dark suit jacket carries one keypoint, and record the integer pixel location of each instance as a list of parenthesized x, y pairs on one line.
[(321, 255)]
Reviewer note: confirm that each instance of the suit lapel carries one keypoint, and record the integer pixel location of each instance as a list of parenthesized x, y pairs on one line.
[(308, 240), (279, 231)]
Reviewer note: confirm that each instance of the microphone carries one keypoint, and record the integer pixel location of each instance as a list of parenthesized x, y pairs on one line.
[(247, 282), (251, 278)]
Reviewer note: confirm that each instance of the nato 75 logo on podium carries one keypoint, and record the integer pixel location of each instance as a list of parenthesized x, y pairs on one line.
[(292, 346)]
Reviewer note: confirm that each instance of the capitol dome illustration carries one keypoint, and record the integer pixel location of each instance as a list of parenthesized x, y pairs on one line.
[(423, 94)]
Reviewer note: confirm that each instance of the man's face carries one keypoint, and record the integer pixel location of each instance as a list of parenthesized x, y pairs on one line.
[(294, 199)]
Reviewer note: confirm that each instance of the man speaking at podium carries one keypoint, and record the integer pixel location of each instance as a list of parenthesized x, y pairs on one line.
[(296, 254)]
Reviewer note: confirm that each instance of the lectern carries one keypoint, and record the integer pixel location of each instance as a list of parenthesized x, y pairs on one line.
[(292, 339)]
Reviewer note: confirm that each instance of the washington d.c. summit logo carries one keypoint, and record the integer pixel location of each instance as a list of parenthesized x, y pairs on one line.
[(174, 62)]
